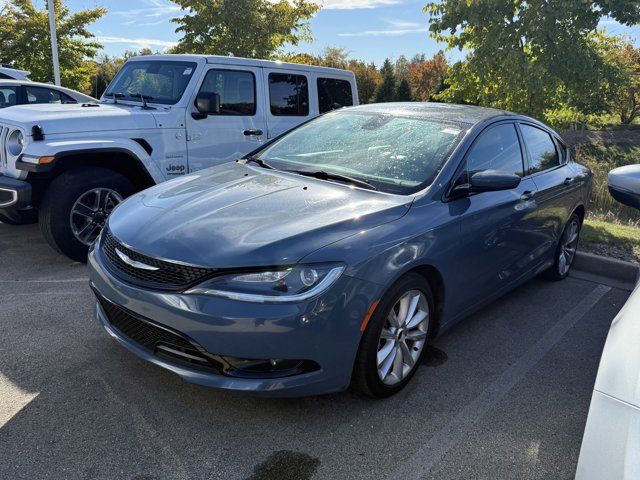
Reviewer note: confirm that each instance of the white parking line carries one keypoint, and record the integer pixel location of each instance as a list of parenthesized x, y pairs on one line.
[(423, 460)]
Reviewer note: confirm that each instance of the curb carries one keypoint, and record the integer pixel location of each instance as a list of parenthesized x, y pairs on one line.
[(618, 271)]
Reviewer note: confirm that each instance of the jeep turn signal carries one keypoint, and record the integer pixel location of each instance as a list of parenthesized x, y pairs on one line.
[(45, 160)]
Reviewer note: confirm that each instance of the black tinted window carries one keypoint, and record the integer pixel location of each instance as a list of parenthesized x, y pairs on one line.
[(237, 90), (333, 94), (46, 95), (8, 96), (4, 76), (289, 94), (542, 151), (497, 149)]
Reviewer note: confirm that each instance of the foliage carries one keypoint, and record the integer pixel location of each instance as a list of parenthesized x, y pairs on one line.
[(402, 92), (386, 89), (427, 76), (529, 55), (626, 99), (243, 28), (367, 78), (25, 41), (625, 237), (602, 159)]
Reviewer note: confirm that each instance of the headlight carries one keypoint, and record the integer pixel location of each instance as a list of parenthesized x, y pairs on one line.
[(288, 284), (15, 143)]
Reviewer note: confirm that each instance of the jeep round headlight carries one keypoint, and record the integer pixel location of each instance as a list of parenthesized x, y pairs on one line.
[(15, 143)]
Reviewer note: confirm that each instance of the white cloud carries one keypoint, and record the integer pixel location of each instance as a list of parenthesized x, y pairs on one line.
[(353, 4), (384, 33), (136, 43)]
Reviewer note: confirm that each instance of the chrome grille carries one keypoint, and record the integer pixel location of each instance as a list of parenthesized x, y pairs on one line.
[(165, 276), (4, 133)]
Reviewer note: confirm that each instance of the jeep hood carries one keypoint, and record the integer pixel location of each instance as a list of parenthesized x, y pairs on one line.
[(74, 118), (237, 215)]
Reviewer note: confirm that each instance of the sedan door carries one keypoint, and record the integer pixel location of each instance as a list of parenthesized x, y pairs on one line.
[(497, 245), (555, 180)]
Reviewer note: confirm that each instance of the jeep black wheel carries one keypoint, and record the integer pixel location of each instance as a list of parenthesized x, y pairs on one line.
[(76, 206)]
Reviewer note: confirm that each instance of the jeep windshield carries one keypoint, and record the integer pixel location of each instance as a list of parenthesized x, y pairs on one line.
[(391, 152), (157, 81)]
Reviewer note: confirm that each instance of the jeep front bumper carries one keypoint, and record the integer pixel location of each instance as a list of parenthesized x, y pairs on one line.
[(15, 195)]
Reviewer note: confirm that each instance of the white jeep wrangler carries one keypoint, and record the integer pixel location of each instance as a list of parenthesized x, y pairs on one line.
[(68, 166)]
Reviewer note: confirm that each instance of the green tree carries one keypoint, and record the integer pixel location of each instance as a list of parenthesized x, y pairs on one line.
[(243, 28), (625, 100), (402, 92), (25, 41), (386, 89), (528, 55)]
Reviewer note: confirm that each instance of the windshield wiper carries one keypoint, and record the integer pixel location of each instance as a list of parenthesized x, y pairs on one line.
[(322, 175), (259, 161), (143, 99), (115, 95)]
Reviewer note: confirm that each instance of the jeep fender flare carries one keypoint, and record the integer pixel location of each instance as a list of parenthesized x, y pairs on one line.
[(60, 149)]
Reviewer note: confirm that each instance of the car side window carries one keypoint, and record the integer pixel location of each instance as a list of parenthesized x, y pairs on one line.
[(288, 94), (8, 96), (496, 149), (542, 150), (236, 88), (333, 93), (46, 95)]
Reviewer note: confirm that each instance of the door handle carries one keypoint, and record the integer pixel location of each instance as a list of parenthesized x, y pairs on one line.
[(568, 181), (527, 195), (250, 132)]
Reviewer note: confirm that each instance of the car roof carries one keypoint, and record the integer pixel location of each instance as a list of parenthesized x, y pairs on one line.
[(240, 61), (464, 114), (17, 83)]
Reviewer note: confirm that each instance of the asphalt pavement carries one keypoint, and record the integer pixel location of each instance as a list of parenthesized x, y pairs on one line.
[(504, 394)]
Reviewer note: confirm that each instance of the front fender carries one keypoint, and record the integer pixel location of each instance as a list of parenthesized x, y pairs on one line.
[(30, 158)]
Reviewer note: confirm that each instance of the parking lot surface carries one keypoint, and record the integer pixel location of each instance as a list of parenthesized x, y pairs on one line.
[(503, 394)]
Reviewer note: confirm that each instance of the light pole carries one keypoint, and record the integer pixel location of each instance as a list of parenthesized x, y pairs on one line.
[(54, 43)]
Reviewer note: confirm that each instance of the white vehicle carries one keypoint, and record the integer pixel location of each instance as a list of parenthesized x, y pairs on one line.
[(161, 116), (8, 73), (611, 442), (26, 92)]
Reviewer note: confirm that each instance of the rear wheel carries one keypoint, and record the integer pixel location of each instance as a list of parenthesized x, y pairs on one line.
[(395, 338), (76, 206), (566, 249)]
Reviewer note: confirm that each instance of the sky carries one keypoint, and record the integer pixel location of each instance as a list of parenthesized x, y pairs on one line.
[(370, 30)]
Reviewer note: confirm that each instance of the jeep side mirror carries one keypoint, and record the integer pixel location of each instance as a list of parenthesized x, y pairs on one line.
[(207, 104), (624, 185)]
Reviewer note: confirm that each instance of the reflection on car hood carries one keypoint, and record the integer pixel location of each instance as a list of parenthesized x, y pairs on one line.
[(235, 215)]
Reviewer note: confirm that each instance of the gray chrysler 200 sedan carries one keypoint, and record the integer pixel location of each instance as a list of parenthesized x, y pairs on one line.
[(332, 255)]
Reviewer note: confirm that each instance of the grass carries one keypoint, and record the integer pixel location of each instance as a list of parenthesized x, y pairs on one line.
[(601, 159), (624, 237)]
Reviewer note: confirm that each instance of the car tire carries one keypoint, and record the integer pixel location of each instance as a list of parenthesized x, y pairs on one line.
[(565, 252), (374, 345), (69, 192)]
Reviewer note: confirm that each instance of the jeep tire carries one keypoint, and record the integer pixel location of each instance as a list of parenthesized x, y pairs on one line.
[(63, 194)]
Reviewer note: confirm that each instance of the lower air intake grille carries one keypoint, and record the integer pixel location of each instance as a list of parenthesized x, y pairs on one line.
[(163, 275), (158, 340)]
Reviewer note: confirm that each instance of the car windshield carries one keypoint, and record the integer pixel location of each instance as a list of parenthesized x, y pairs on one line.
[(394, 153), (161, 82)]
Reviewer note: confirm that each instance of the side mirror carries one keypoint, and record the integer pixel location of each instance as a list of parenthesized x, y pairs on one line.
[(488, 181), (624, 185), (207, 104)]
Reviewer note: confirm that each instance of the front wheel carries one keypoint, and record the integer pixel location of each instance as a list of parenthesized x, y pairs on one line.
[(394, 341), (566, 249), (76, 206)]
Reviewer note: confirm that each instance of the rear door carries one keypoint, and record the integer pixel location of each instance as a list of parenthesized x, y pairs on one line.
[(291, 99), (554, 179), (239, 128)]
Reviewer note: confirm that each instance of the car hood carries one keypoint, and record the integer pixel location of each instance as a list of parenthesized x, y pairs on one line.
[(235, 215), (72, 118)]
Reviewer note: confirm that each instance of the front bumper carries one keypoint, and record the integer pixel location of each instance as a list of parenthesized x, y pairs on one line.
[(324, 331), (15, 195)]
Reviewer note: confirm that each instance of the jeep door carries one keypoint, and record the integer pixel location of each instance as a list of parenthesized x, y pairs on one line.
[(239, 125)]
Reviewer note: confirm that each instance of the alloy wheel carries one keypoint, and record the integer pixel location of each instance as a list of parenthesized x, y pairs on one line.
[(568, 247), (90, 211), (403, 337)]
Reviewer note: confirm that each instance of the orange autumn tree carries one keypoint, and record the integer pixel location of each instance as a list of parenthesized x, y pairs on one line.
[(426, 76)]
